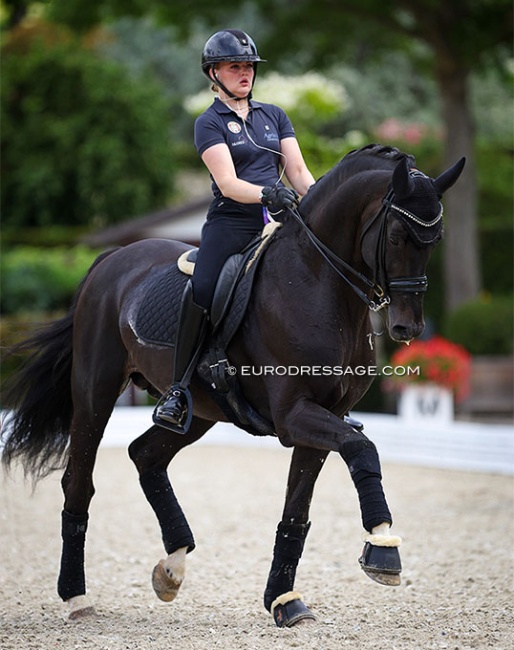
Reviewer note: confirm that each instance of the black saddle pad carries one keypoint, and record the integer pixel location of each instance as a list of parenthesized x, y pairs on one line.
[(157, 317)]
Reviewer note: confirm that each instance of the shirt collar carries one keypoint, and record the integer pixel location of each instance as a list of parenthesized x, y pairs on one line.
[(222, 108)]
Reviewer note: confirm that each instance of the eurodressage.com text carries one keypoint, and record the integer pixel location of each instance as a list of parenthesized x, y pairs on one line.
[(324, 371)]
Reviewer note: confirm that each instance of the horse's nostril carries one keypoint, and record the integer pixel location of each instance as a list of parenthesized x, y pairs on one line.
[(399, 333), (403, 333)]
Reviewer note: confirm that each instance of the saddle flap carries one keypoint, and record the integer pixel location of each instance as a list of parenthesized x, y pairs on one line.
[(225, 286)]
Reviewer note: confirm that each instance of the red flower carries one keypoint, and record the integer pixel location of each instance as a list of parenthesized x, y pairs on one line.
[(438, 361)]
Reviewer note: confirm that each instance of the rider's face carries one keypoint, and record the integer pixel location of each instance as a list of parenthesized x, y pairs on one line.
[(236, 76)]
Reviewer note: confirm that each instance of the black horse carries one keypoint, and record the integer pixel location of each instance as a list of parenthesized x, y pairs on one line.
[(362, 242)]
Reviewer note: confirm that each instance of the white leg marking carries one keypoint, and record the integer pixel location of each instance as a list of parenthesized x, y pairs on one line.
[(381, 536), (79, 607), (169, 574), (381, 529)]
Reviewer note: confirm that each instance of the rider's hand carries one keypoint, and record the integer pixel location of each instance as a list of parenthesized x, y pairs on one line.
[(279, 198)]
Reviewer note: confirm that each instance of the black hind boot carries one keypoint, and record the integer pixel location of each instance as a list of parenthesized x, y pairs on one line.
[(175, 408)]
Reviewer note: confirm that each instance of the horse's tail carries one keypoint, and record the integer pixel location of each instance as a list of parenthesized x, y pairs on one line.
[(38, 399)]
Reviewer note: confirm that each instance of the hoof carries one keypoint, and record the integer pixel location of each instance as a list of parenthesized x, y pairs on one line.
[(381, 564), (288, 610), (82, 614), (80, 609), (165, 583)]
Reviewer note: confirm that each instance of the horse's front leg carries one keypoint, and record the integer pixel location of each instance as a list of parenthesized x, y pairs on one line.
[(151, 453), (280, 599), (308, 424)]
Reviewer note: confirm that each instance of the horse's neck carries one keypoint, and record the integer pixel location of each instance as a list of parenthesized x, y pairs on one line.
[(312, 293), (298, 256), (337, 216), (337, 224)]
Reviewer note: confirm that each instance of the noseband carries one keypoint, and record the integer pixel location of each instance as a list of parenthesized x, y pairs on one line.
[(381, 284)]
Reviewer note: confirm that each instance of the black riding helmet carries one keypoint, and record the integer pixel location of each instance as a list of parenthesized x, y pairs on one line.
[(228, 45)]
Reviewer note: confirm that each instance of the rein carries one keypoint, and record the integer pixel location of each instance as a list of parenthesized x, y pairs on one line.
[(412, 284), (333, 260)]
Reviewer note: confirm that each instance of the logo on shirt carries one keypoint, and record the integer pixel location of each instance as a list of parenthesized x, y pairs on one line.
[(234, 127)]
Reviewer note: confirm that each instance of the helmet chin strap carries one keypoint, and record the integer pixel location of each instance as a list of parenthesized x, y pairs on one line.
[(225, 89)]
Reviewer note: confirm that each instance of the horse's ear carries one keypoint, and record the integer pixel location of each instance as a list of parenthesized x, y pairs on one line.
[(445, 180), (402, 182)]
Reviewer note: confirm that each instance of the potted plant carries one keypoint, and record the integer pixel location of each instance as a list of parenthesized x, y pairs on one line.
[(431, 375)]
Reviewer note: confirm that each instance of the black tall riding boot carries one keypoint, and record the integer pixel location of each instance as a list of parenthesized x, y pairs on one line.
[(175, 408)]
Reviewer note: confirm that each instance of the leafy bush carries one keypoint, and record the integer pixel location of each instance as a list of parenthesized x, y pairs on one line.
[(495, 173), (483, 326), (13, 330), (82, 142), (36, 280)]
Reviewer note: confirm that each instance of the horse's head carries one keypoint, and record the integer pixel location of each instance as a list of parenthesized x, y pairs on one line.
[(398, 243)]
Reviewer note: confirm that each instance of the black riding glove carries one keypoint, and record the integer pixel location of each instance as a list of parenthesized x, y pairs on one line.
[(279, 198)]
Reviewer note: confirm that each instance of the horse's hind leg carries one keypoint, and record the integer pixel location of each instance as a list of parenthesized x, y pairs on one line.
[(151, 453), (280, 599), (78, 488), (96, 380)]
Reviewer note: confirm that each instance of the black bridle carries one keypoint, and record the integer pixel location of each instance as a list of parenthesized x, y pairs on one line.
[(381, 285)]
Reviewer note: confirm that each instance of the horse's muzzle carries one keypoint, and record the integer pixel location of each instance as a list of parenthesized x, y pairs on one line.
[(405, 333)]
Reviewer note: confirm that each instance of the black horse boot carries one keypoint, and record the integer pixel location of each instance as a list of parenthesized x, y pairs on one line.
[(174, 410)]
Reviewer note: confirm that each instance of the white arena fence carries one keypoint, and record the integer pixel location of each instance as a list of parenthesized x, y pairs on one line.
[(467, 446)]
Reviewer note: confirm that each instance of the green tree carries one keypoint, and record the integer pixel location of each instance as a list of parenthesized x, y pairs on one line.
[(81, 143), (448, 41), (452, 39)]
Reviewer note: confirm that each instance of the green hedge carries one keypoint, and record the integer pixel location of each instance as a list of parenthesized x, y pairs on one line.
[(82, 142), (483, 326), (38, 280)]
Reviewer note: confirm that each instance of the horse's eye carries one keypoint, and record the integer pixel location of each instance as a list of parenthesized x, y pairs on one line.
[(395, 239)]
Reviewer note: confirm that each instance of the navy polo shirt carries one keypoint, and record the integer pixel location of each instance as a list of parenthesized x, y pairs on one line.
[(266, 125)]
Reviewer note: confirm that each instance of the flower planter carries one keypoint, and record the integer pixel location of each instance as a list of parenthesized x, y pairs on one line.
[(434, 373), (427, 402)]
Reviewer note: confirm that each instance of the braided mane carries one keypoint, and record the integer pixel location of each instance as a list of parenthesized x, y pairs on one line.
[(370, 157)]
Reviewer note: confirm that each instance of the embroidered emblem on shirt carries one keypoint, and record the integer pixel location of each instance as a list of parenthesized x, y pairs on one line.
[(234, 127)]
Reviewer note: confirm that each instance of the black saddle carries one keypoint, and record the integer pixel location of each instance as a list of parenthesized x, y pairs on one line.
[(156, 323), (227, 281), (157, 317)]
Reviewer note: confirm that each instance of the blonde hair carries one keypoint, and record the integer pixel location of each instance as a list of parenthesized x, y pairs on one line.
[(214, 86)]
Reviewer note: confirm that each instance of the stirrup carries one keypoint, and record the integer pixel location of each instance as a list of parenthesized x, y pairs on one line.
[(178, 424)]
